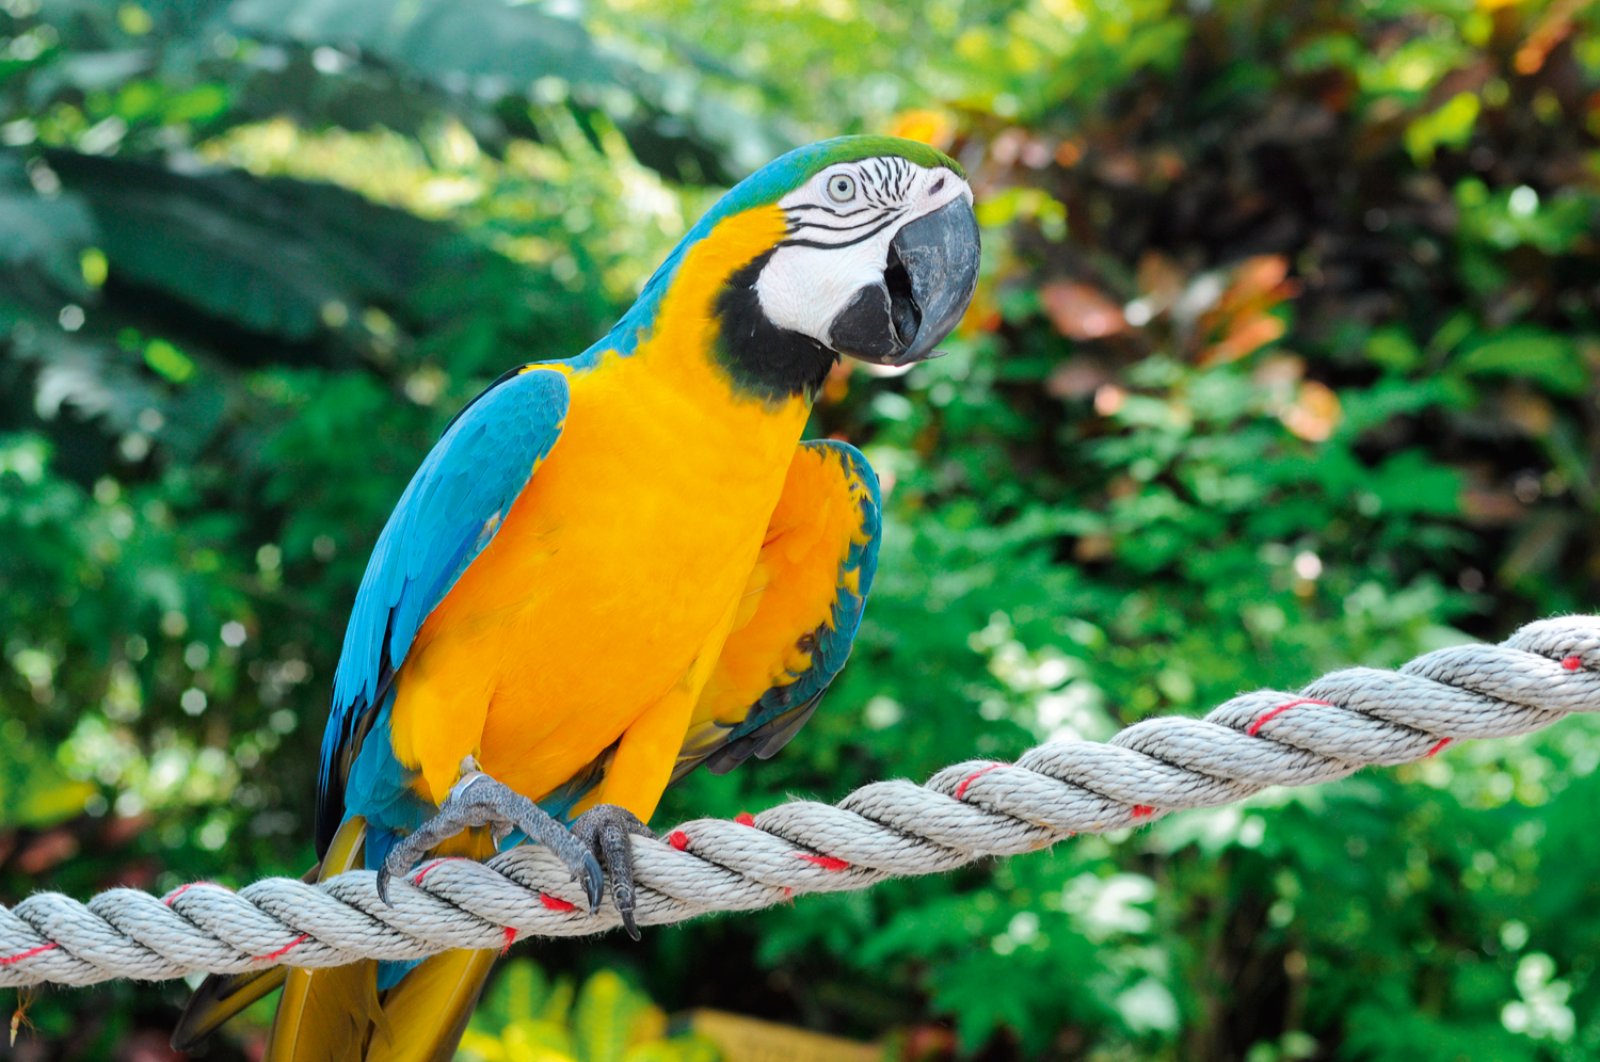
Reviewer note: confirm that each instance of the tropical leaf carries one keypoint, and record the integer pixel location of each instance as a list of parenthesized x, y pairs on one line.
[(41, 237), (486, 47), (1543, 357), (603, 1017), (280, 257)]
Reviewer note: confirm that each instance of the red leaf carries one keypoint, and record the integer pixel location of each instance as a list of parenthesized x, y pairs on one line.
[(1080, 311)]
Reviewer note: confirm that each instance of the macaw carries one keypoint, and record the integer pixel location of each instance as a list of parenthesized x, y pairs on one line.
[(616, 567)]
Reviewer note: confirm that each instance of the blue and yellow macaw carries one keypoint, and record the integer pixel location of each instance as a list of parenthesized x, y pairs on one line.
[(613, 568)]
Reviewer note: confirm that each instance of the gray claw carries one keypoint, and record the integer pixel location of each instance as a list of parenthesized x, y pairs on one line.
[(604, 830), (479, 800), (594, 880)]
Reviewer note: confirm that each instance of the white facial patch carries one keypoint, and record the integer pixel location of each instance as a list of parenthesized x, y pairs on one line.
[(841, 223)]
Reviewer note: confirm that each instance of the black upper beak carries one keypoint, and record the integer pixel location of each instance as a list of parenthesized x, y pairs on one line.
[(927, 282)]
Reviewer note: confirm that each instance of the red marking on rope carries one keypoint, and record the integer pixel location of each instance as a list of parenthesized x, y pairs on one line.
[(1572, 663), (511, 938), (1272, 713), (825, 862), (788, 893), (172, 896), (1438, 745), (961, 790), (424, 871), (30, 953), (281, 952), (1143, 811), (744, 818), (556, 903), (679, 840)]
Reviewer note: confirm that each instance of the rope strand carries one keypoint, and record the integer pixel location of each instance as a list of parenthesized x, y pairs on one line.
[(966, 812)]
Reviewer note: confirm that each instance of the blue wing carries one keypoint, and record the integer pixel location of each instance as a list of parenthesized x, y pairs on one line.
[(810, 586), (449, 512)]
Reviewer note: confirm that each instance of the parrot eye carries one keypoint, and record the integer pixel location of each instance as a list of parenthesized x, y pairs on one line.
[(841, 188)]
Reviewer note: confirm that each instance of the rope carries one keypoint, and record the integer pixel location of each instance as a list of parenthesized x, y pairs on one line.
[(970, 811)]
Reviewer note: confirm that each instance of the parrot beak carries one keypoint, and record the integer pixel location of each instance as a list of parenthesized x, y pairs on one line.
[(927, 283)]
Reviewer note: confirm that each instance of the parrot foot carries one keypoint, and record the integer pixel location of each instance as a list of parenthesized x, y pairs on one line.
[(479, 800), (604, 830)]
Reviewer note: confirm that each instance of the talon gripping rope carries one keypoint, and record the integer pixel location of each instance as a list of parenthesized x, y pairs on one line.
[(1334, 726)]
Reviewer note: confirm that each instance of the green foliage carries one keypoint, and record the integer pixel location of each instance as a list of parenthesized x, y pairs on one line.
[(1284, 359), (526, 1018)]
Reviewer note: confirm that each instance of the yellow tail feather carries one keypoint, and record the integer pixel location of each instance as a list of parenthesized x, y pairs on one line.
[(426, 1013), (339, 1016)]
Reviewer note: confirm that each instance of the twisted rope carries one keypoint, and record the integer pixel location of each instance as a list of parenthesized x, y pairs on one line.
[(972, 810)]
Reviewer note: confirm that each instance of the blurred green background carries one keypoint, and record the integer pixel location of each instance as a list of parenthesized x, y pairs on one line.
[(1284, 359)]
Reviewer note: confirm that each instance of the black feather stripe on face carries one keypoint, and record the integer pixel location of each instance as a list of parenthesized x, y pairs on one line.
[(807, 229), (883, 185), (767, 362)]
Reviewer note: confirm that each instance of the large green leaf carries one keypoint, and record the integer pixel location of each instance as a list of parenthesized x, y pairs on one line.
[(1550, 360), (681, 119), (41, 236), (281, 257), (487, 47)]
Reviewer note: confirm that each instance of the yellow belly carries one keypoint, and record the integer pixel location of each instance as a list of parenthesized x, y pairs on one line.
[(617, 570)]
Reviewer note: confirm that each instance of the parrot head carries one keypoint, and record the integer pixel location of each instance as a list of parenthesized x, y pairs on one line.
[(870, 252), (880, 257)]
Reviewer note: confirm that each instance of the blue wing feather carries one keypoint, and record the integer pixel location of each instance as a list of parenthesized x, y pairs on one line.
[(449, 512)]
